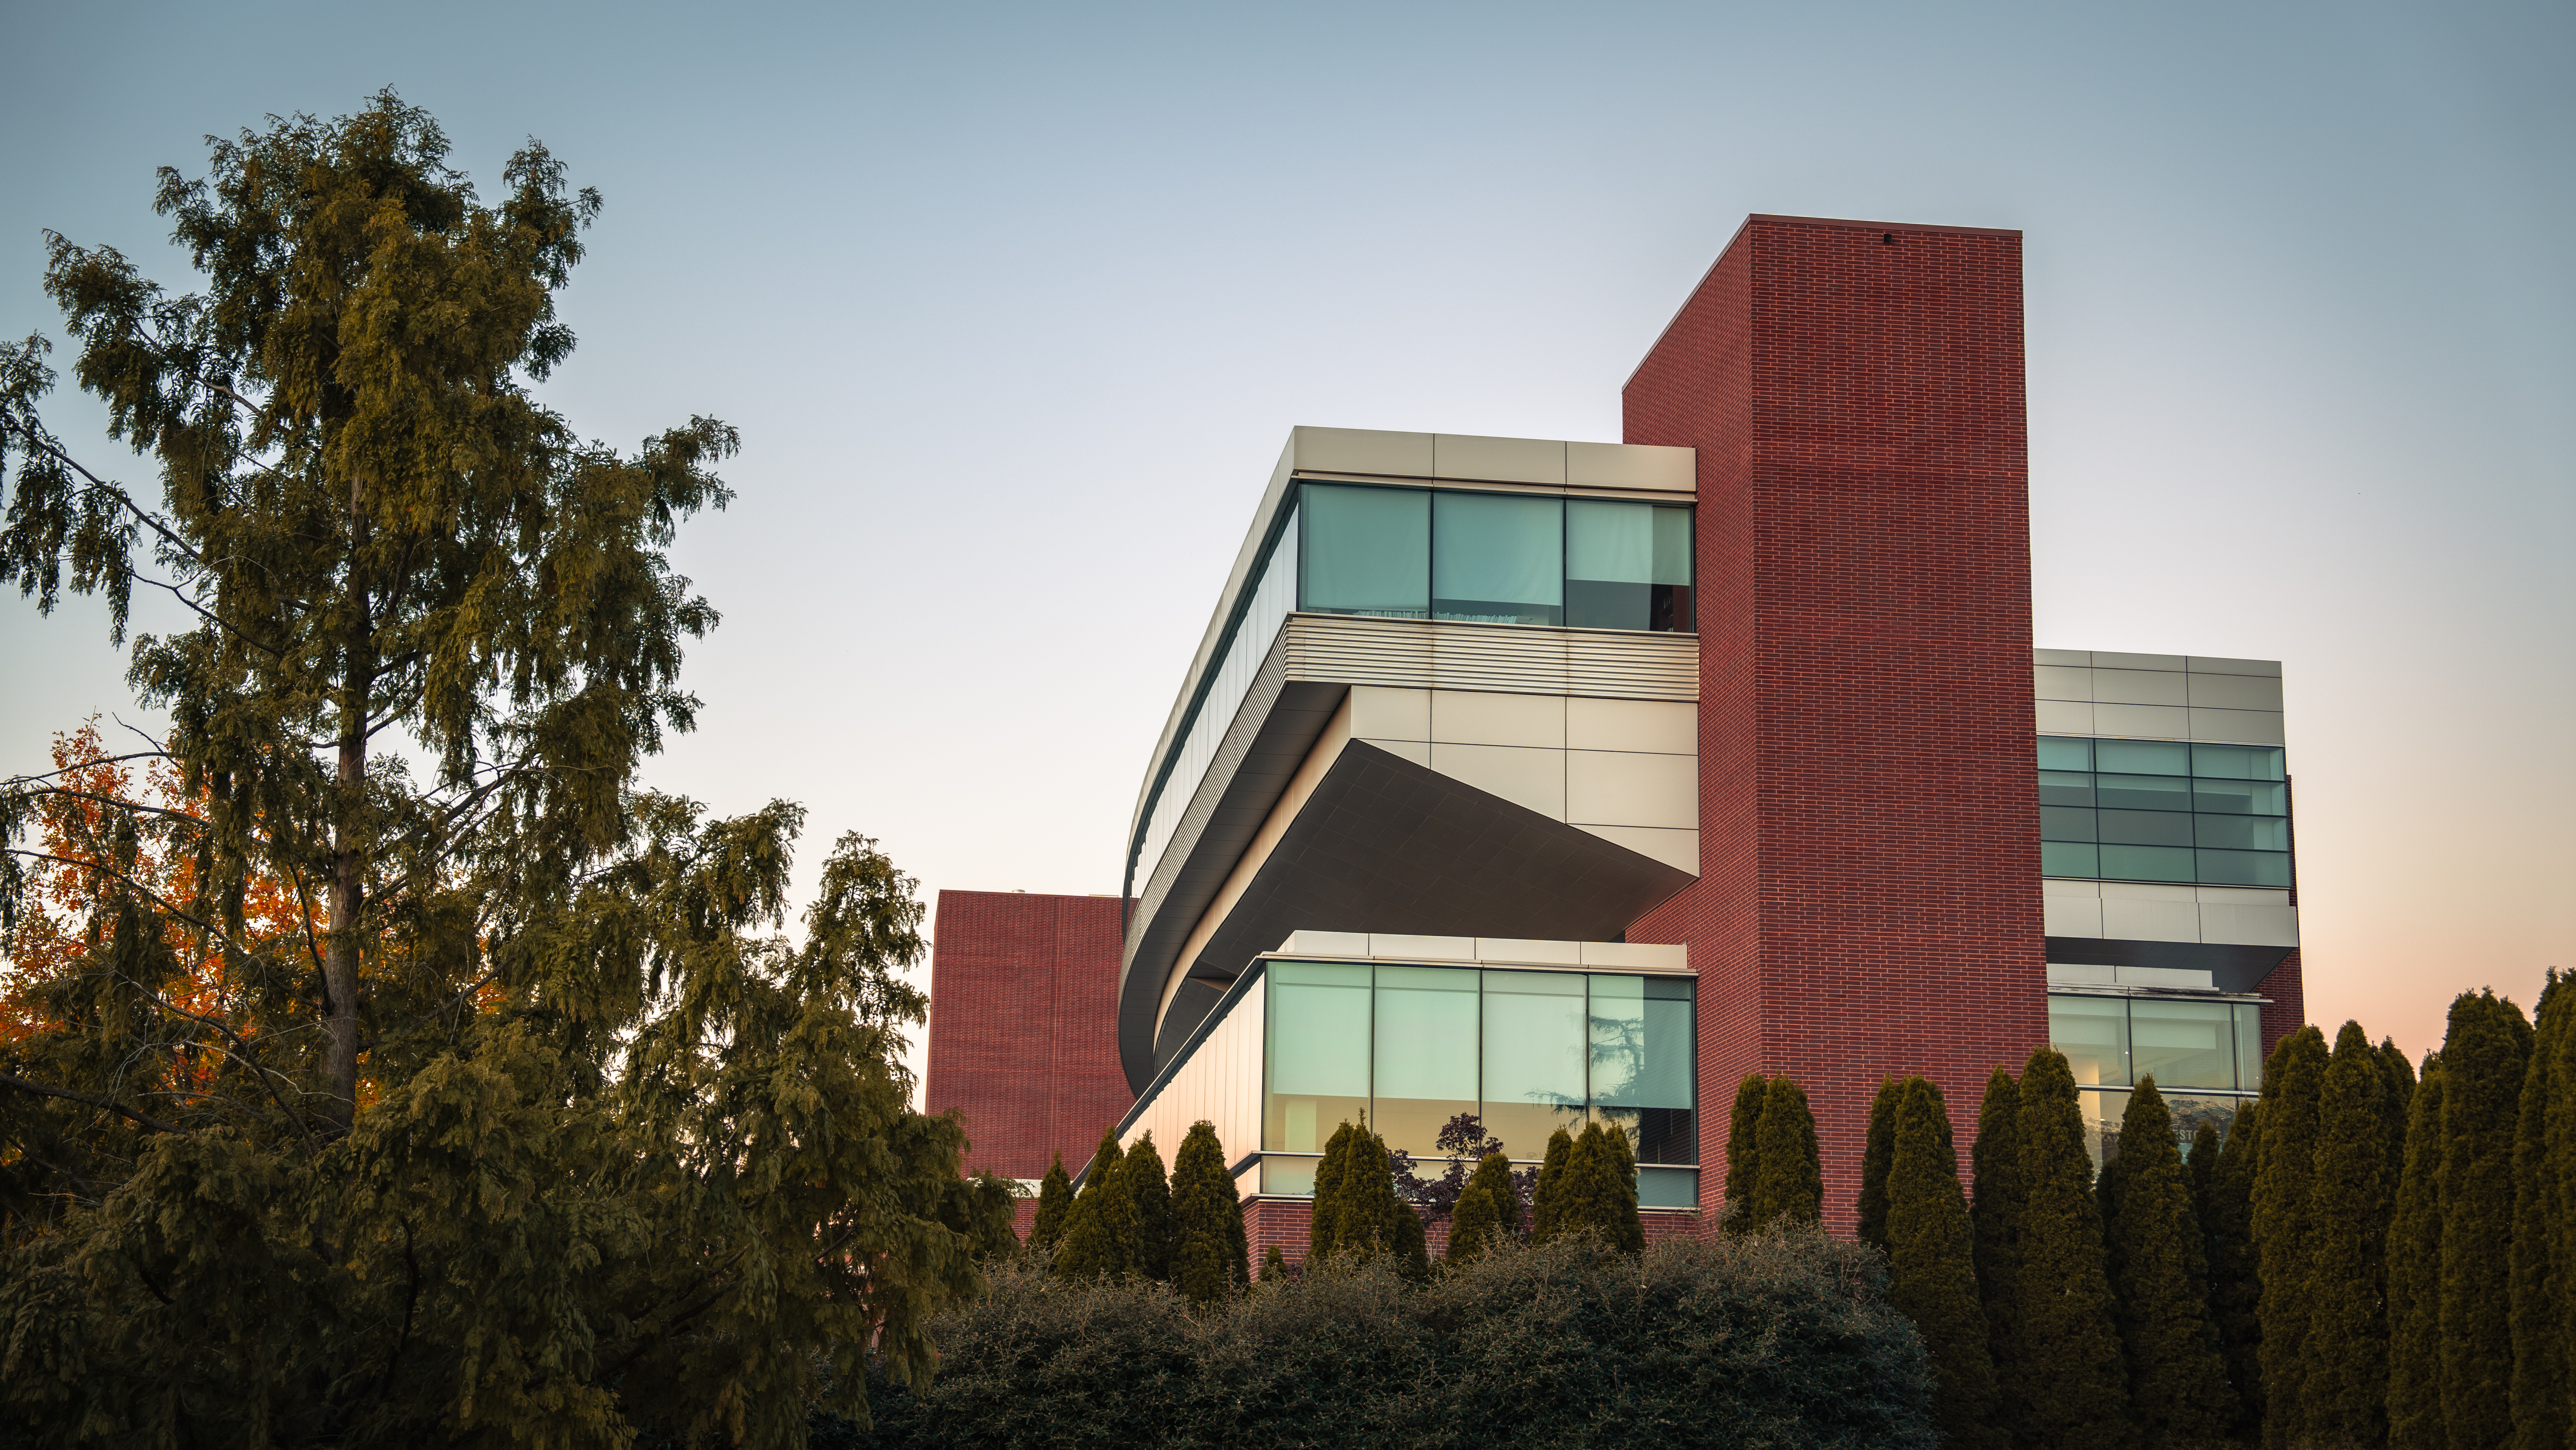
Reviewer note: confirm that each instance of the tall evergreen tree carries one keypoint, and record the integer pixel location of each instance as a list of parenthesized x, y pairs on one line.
[(2400, 1095), (1100, 1233), (2235, 1286), (2559, 1140), (1055, 1202), (1789, 1180), (1877, 1157), (2072, 1392), (1547, 1199), (1366, 1205), (1208, 1261), (2541, 1324), (2178, 1391), (2415, 1277), (1323, 1235), (2284, 1246), (1149, 1208), (1599, 1190), (2483, 1060), (2200, 1169), (1743, 1150), (1995, 1215), (1488, 1210), (2344, 1382), (1931, 1265)]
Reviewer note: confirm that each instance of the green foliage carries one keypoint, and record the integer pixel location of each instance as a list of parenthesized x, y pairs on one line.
[(1488, 1212), (1369, 1220), (2235, 1286), (1789, 1176), (1995, 1215), (1547, 1198), (2541, 1325), (2484, 1058), (1778, 1340), (2344, 1384), (1100, 1233), (1055, 1203), (1149, 1208), (1274, 1266), (1931, 1265), (1209, 1257), (2178, 1392), (2200, 1169), (2284, 1244), (1323, 1234), (2071, 1390), (1598, 1192), (1877, 1155), (2397, 1095), (1743, 1150), (2415, 1277)]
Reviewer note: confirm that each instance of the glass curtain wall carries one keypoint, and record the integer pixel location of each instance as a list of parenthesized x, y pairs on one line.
[(1494, 558), (2163, 810), (2206, 1057)]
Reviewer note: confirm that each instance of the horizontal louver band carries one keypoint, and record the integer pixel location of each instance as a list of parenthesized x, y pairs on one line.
[(1450, 655)]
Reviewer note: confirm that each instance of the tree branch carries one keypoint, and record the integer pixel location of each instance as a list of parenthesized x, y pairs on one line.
[(40, 1090)]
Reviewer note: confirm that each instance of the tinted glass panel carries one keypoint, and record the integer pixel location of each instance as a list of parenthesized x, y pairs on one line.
[(1318, 1052), (2143, 757), (1641, 1064), (2065, 788), (1627, 566), (2065, 823), (2245, 868), (1288, 1175), (2240, 797), (2146, 863), (2066, 858), (1667, 1188), (1535, 1049), (2249, 1046), (2144, 792), (2146, 828), (2065, 752), (1498, 559), (2093, 1032), (1366, 551), (2238, 762), (2182, 1044), (2243, 833), (1426, 1053)]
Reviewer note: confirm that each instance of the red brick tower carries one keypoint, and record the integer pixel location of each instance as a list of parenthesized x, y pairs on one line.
[(1868, 902)]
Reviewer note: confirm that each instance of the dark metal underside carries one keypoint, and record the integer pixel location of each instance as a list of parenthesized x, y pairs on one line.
[(2231, 968)]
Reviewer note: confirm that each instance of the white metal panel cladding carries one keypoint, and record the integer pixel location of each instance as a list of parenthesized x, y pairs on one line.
[(1513, 659), (1219, 1083)]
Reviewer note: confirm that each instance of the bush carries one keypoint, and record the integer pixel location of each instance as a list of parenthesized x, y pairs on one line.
[(1780, 1339)]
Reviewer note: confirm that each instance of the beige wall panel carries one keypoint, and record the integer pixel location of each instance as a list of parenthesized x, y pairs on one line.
[(1417, 751), (2260, 926), (1623, 788), (1677, 849), (2071, 915), (2065, 717), (2061, 682), (1475, 717), (1364, 450), (1502, 460), (2104, 659), (2170, 722), (1632, 465), (2131, 920), (1543, 953), (1327, 943), (1656, 727), (1423, 948), (2077, 658), (1523, 776), (2242, 727), (1637, 956), (2078, 975), (2212, 665), (2161, 977), (1381, 712), (2139, 687), (2236, 692)]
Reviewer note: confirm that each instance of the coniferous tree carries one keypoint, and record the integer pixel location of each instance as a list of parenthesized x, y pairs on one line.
[(1207, 1220), (1599, 1189), (1149, 1208), (1743, 1150), (2235, 1285), (1488, 1210), (2399, 1075), (2483, 1060), (1547, 1199), (1366, 1206), (1274, 1266), (1995, 1215), (2072, 1393), (1055, 1202), (1409, 1242), (1877, 1156), (1931, 1265), (1100, 1233), (2284, 1246), (2344, 1385), (1789, 1181), (2415, 1277), (1323, 1234), (2541, 1326), (2200, 1168), (2178, 1391)]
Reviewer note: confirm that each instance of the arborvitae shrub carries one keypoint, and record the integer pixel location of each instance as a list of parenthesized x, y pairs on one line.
[(1365, 1204), (2541, 1323), (1995, 1214), (1931, 1265), (1321, 1236), (1781, 1340), (1598, 1191), (1485, 1205), (1789, 1183), (1274, 1266), (2178, 1392), (2415, 1277), (1877, 1156), (2399, 1095), (2200, 1169), (1149, 1208), (1547, 1201), (2344, 1387), (2285, 1251), (1743, 1151), (2483, 1059), (1100, 1233), (1629, 1230), (1207, 1220), (1055, 1201), (2235, 1289), (2072, 1391)]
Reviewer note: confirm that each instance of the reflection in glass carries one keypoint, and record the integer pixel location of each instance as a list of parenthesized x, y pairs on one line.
[(2069, 858), (2245, 868), (2146, 863), (2244, 833), (1366, 551), (1288, 1175), (1534, 1057), (2093, 1032), (2240, 797), (2065, 823), (1627, 566), (2190, 1110), (2065, 788), (1317, 1053), (2238, 762), (2249, 1045), (2065, 752), (1426, 1054), (2146, 828), (1667, 1188), (1498, 558), (1642, 1076), (2143, 757), (2144, 792), (2182, 1044)]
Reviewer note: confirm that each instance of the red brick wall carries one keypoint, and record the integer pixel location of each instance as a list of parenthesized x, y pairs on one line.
[(1869, 892), (1023, 1026), (2287, 1012)]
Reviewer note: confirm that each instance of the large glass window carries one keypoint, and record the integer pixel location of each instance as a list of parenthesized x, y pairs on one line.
[(1317, 1055), (1627, 566), (2206, 1058), (2093, 1032), (1426, 1053), (1497, 558), (1366, 551), (1642, 1074), (1534, 1057), (2163, 810), (2182, 1044)]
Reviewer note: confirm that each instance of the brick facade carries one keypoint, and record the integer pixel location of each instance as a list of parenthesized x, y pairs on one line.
[(1869, 893), (1024, 1039)]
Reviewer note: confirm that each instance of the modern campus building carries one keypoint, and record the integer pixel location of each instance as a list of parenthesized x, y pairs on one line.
[(1552, 781)]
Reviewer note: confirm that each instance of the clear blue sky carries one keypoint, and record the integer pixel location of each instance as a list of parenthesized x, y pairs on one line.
[(1015, 304)]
